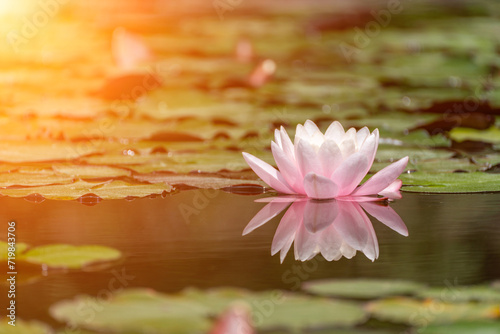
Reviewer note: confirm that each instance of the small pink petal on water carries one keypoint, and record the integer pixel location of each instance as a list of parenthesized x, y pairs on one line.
[(262, 73), (129, 50), (235, 320), (244, 50)]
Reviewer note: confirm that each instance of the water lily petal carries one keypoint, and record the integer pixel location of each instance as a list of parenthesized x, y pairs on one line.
[(350, 173), (287, 145), (319, 187), (287, 228), (311, 127), (300, 133), (330, 244), (282, 199), (267, 213), (306, 244), (318, 215), (307, 159), (392, 191), (357, 231), (361, 136), (316, 138), (330, 157), (335, 132), (370, 145), (348, 144), (382, 179), (288, 169), (387, 216), (277, 137), (268, 174), (349, 224), (358, 199)]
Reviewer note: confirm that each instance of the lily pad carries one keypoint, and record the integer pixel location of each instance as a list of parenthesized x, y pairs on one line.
[(19, 249), (204, 182), (24, 327), (491, 135), (479, 293), (422, 313), (450, 182), (476, 327), (134, 311), (68, 256), (362, 288), (105, 190)]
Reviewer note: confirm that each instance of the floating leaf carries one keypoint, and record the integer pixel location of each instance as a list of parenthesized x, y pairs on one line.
[(476, 327), (204, 182), (422, 313), (109, 190), (362, 288), (18, 152), (25, 179), (20, 247), (492, 135), (24, 327), (450, 182), (479, 293), (67, 256), (135, 310), (91, 172)]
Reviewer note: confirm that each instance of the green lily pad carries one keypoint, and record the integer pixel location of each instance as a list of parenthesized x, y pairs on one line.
[(135, 311), (68, 256), (476, 327), (450, 182), (362, 288), (491, 135), (350, 331), (20, 247), (422, 313), (479, 293), (24, 327), (276, 309), (393, 153)]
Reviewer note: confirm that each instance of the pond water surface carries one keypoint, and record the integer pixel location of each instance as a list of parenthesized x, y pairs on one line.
[(194, 239)]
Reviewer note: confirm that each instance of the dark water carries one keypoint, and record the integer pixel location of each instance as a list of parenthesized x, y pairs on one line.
[(194, 238)]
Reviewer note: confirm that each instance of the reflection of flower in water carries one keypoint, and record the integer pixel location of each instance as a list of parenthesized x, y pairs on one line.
[(334, 228), (328, 165)]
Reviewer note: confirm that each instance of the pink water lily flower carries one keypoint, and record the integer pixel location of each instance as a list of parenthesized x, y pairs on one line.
[(329, 165)]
